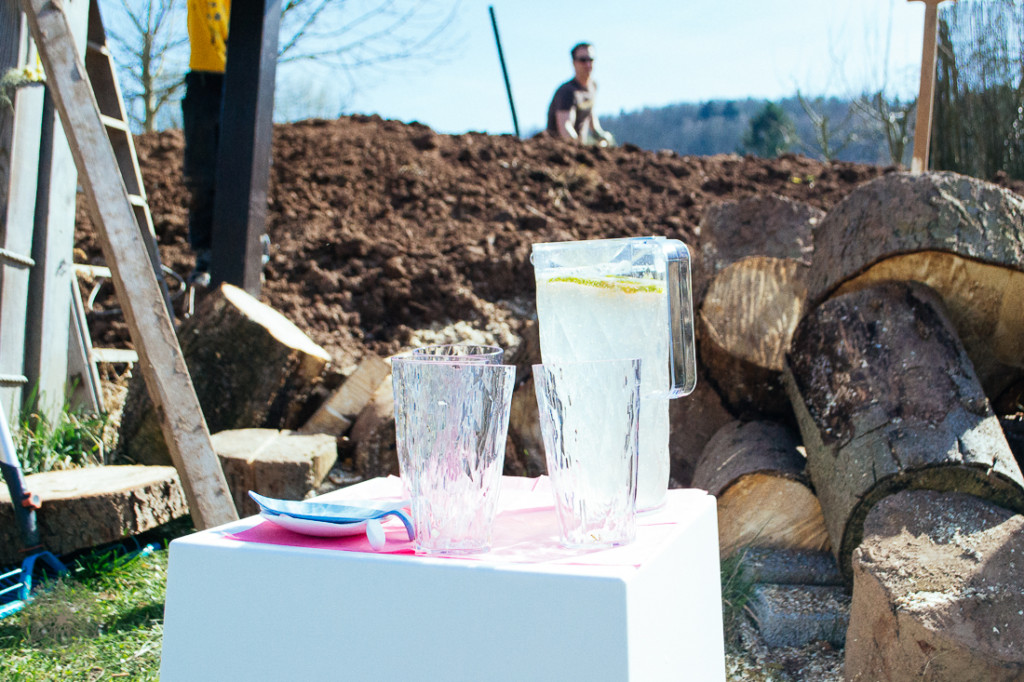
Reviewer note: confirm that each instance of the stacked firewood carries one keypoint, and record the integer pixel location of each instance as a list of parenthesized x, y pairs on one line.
[(862, 374)]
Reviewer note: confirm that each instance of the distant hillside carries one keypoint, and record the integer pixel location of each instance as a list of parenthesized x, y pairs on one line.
[(718, 126)]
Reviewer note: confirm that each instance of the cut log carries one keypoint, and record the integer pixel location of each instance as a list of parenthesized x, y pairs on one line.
[(937, 592), (745, 325), (251, 368), (373, 435), (524, 447), (83, 508), (693, 420), (280, 464), (887, 399), (961, 236), (336, 414), (764, 497), (764, 225)]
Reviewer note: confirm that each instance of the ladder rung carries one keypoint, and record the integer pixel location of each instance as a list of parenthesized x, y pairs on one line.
[(136, 200), (11, 258), (115, 355), (115, 123), (94, 271)]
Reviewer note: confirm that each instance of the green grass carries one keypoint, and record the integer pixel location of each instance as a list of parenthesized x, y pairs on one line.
[(736, 590), (104, 621)]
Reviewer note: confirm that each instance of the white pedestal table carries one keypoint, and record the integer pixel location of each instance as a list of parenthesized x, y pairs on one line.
[(251, 601)]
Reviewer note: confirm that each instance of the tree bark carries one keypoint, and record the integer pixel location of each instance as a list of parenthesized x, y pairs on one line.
[(764, 495), (745, 325), (961, 236), (886, 399), (766, 225)]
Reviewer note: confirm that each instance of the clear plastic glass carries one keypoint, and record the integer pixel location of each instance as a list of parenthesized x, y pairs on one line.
[(624, 298), (589, 419), (451, 421), (459, 352)]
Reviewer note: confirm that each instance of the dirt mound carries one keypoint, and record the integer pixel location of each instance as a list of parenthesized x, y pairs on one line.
[(379, 228)]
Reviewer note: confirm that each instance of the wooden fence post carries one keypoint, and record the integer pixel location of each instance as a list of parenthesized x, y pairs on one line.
[(926, 95)]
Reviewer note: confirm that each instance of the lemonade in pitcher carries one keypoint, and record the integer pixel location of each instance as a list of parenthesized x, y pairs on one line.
[(617, 299)]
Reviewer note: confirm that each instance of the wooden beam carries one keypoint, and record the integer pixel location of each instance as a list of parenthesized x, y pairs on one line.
[(152, 331), (246, 130), (19, 166), (50, 284), (926, 95)]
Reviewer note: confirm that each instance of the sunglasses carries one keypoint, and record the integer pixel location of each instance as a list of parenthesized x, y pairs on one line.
[(585, 60)]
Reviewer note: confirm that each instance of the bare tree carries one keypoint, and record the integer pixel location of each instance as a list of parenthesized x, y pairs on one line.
[(336, 41), (149, 40), (893, 117), (830, 138)]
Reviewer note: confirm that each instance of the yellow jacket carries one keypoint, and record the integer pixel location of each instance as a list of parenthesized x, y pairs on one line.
[(208, 34)]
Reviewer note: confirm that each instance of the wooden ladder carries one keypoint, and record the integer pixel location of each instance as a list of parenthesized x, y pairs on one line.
[(99, 66), (135, 275)]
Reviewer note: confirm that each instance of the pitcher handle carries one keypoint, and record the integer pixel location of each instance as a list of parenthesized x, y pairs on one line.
[(682, 351)]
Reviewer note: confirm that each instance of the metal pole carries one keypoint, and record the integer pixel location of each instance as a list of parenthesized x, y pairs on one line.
[(504, 71)]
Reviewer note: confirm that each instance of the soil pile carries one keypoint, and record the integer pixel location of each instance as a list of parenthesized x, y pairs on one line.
[(380, 228)]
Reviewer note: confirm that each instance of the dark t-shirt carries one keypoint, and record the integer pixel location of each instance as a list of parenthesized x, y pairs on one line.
[(571, 95)]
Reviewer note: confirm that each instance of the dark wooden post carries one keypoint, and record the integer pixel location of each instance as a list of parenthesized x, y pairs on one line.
[(243, 159)]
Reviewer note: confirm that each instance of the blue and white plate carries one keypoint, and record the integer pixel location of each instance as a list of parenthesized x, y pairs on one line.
[(333, 519)]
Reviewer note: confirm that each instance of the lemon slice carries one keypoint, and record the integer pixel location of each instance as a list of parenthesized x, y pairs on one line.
[(626, 285)]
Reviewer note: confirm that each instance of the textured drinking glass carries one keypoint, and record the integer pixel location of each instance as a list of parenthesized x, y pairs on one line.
[(589, 418), (459, 352), (451, 420)]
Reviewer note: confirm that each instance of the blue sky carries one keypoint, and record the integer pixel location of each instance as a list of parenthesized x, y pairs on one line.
[(654, 53)]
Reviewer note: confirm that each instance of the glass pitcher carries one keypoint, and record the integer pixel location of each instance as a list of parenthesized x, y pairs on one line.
[(624, 298)]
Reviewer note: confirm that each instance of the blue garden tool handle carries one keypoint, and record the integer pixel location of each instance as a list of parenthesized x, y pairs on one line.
[(25, 503)]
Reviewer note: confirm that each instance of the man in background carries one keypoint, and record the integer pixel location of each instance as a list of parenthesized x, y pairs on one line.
[(201, 109), (571, 113)]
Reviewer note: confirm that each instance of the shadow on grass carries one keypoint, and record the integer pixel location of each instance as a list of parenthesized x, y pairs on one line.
[(135, 618)]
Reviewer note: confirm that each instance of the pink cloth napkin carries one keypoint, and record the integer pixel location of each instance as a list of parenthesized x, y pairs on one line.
[(525, 530)]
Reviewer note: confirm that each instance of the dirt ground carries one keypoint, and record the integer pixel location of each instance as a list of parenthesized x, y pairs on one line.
[(379, 228)]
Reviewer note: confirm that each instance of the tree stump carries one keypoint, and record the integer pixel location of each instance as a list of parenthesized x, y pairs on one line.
[(83, 508), (961, 236), (886, 399), (274, 463), (764, 496), (937, 592), (250, 366), (765, 225), (745, 325)]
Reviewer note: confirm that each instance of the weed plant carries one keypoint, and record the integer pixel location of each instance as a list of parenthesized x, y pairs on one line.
[(737, 587), (77, 439)]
